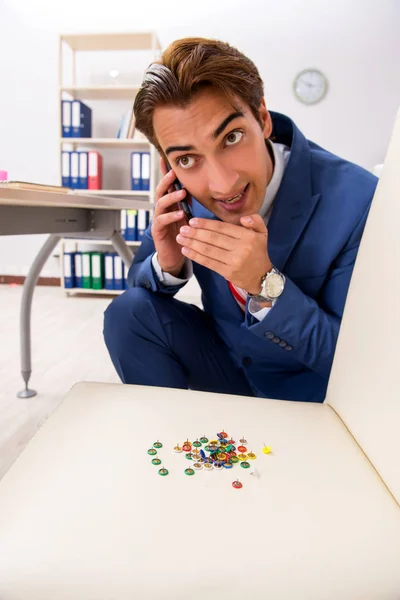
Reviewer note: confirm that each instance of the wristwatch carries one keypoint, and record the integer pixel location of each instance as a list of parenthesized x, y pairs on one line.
[(272, 286)]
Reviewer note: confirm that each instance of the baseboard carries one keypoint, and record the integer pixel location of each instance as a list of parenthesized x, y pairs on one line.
[(20, 279)]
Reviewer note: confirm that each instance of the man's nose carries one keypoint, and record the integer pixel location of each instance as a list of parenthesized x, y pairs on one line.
[(222, 181)]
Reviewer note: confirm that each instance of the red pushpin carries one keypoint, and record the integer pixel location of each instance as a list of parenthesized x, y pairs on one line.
[(237, 485)]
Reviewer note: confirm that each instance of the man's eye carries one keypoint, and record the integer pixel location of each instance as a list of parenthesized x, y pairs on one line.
[(185, 162), (234, 137)]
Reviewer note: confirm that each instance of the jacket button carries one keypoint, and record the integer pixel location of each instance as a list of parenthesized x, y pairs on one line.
[(269, 335), (282, 343), (288, 348), (276, 340), (147, 285), (246, 362)]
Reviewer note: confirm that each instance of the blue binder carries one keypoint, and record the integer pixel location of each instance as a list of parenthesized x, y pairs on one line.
[(142, 223), (123, 223), (131, 225), (136, 170), (83, 171), (145, 171), (69, 270), (118, 273), (81, 120), (66, 168), (66, 118), (78, 270), (109, 271), (75, 170)]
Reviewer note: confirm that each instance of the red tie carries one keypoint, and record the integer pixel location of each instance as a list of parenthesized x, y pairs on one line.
[(239, 294)]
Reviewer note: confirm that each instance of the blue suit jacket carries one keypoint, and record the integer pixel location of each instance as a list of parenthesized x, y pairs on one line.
[(314, 233)]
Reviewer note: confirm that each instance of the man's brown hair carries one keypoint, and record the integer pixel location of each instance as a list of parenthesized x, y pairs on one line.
[(188, 66)]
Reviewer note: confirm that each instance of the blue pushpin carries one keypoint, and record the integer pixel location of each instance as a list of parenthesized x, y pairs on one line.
[(202, 454)]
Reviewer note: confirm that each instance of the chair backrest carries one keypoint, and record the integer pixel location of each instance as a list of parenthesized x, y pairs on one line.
[(364, 387)]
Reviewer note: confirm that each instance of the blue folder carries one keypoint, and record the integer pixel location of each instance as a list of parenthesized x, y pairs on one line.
[(66, 168), (66, 118), (69, 269), (81, 120)]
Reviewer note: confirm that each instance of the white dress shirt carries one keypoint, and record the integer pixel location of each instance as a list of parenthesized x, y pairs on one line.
[(281, 157)]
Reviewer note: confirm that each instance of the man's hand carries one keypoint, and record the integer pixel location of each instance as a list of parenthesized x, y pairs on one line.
[(237, 252)]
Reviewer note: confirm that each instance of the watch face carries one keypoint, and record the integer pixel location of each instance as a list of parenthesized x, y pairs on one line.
[(274, 285)]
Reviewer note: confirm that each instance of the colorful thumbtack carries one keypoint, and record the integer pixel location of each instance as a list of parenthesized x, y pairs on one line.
[(157, 444), (217, 465), (163, 471), (204, 440), (236, 484), (152, 451), (196, 444), (227, 465), (189, 472), (178, 448), (266, 449), (251, 455), (243, 441), (208, 466), (221, 456), (242, 448), (197, 465), (189, 456), (156, 461), (186, 447), (242, 456), (202, 454), (245, 464), (234, 459)]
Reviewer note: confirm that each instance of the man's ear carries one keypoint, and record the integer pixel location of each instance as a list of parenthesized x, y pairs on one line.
[(265, 118)]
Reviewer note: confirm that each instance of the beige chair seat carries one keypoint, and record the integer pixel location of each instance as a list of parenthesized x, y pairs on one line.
[(85, 515)]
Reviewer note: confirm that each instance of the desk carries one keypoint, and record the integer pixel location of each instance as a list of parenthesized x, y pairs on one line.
[(61, 215)]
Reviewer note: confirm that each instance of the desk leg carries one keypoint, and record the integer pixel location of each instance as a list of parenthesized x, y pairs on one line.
[(25, 317), (122, 248)]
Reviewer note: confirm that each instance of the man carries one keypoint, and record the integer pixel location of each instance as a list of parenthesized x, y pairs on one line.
[(277, 225)]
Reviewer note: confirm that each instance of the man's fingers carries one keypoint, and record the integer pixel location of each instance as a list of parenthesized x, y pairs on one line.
[(165, 219), (213, 238), (254, 222), (166, 202)]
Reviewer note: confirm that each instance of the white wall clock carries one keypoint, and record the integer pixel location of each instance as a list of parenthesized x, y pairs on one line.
[(310, 86)]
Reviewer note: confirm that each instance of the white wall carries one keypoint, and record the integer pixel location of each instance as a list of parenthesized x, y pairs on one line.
[(355, 43)]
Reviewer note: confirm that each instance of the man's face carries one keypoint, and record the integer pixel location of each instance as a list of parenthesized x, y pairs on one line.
[(218, 152)]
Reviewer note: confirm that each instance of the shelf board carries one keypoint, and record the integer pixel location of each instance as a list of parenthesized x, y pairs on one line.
[(99, 242), (102, 92), (91, 291), (105, 142), (112, 41), (135, 193)]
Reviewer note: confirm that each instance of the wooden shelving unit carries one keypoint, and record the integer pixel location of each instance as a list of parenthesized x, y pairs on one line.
[(74, 45)]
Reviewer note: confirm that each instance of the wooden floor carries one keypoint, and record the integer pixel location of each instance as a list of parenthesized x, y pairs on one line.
[(67, 346)]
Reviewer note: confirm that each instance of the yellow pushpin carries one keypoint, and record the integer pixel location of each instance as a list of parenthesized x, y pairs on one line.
[(266, 449)]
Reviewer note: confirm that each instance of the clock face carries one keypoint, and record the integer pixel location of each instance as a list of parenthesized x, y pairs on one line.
[(310, 86)]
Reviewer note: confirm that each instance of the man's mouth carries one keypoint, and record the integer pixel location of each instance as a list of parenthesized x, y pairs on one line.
[(236, 200)]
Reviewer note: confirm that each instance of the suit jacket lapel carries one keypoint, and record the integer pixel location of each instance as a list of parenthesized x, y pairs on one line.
[(295, 202)]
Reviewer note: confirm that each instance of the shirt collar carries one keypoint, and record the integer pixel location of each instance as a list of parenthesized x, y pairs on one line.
[(273, 186)]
